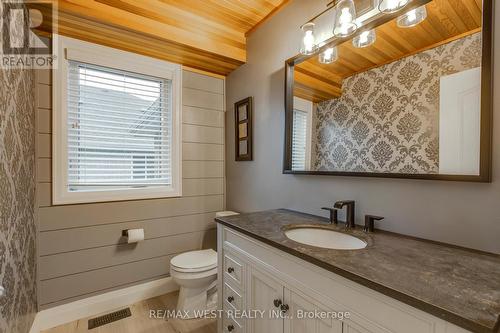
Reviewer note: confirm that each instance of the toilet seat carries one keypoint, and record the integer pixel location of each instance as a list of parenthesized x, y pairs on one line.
[(194, 261)]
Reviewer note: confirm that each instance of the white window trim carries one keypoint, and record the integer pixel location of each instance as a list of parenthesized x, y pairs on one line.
[(307, 107), (73, 49)]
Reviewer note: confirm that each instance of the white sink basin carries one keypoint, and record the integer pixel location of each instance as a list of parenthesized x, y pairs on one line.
[(325, 238)]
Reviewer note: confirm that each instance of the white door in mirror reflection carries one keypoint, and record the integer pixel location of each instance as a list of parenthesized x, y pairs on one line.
[(460, 123)]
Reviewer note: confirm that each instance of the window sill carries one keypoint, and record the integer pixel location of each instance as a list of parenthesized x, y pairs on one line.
[(81, 197)]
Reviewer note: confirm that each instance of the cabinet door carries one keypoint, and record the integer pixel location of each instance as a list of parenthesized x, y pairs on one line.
[(262, 292), (305, 316)]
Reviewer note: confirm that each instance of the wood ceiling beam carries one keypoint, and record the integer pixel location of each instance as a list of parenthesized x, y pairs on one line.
[(215, 11), (88, 30), (206, 35), (317, 87), (180, 18), (112, 16), (310, 93), (321, 71)]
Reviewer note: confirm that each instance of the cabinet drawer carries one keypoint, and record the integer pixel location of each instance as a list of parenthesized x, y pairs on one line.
[(232, 298), (231, 326), (234, 270)]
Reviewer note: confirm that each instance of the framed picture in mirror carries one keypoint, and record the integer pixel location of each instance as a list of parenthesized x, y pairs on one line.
[(243, 129), (392, 91)]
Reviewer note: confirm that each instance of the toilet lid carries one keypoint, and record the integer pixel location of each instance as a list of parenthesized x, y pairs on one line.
[(195, 260)]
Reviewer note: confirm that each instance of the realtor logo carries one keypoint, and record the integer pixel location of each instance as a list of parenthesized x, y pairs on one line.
[(21, 47)]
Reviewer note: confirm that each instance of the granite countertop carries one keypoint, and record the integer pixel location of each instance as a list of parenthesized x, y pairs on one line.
[(459, 285)]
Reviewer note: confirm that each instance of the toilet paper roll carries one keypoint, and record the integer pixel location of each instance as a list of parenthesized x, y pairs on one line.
[(135, 235)]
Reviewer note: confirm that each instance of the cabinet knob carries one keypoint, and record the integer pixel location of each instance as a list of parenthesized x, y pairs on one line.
[(230, 328), (230, 299), (230, 270), (285, 307), (277, 303)]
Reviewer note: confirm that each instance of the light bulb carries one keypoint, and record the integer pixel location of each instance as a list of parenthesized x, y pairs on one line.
[(308, 40), (328, 56), (391, 6), (345, 20), (413, 17), (366, 38), (363, 38), (345, 16)]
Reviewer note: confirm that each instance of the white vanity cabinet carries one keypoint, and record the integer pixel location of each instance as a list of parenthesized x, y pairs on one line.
[(264, 282)]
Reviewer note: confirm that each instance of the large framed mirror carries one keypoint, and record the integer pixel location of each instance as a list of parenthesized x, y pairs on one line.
[(398, 92)]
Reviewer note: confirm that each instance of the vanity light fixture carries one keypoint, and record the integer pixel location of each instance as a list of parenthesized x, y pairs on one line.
[(366, 38), (391, 6), (308, 42), (329, 55), (345, 16), (413, 17), (345, 24)]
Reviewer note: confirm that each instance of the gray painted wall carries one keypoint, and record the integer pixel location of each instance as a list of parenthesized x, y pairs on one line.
[(460, 213), (81, 251)]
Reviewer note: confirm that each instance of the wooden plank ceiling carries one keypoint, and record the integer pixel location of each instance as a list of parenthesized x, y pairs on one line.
[(209, 35), (446, 21)]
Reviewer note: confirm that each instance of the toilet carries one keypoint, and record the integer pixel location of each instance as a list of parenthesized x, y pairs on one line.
[(196, 274)]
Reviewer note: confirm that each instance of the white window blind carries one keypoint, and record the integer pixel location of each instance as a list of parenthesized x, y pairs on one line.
[(119, 129), (299, 140)]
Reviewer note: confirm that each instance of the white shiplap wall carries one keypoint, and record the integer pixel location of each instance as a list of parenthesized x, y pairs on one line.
[(81, 252)]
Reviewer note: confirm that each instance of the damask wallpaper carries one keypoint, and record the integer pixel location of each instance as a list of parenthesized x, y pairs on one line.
[(17, 200), (387, 119)]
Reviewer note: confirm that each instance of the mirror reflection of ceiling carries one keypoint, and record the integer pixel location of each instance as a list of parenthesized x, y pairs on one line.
[(446, 21)]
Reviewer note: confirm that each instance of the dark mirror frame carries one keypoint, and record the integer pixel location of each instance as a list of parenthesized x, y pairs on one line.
[(485, 173)]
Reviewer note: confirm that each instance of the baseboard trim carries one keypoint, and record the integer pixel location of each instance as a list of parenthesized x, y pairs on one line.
[(94, 305)]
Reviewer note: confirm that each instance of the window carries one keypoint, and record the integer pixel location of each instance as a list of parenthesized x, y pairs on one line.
[(119, 128), (301, 135), (299, 140), (116, 125)]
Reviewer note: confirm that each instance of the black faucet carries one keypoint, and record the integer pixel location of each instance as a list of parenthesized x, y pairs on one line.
[(350, 219), (370, 222), (333, 214)]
